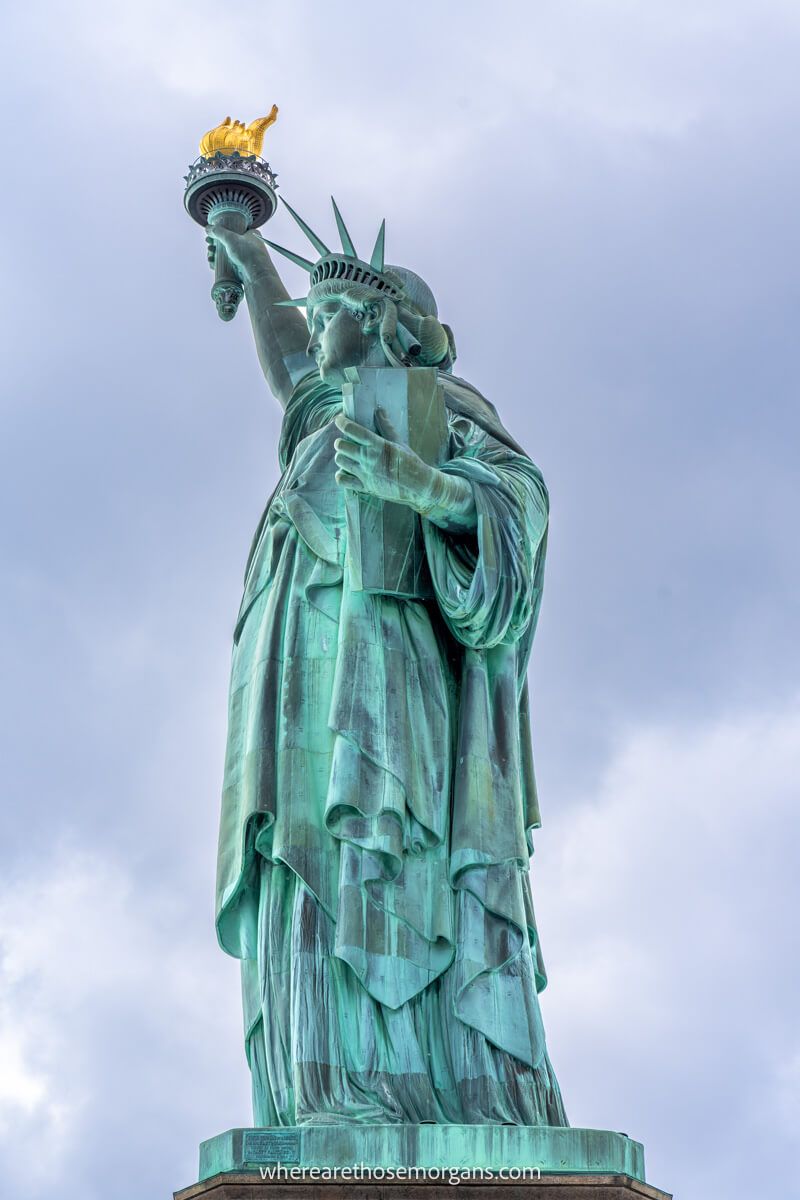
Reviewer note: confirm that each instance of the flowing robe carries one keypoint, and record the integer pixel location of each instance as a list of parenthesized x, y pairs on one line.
[(379, 799)]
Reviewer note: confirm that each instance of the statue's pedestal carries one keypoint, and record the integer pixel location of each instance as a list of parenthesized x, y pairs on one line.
[(548, 1187), (421, 1162)]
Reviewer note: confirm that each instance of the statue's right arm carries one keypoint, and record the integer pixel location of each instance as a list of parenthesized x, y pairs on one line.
[(281, 333)]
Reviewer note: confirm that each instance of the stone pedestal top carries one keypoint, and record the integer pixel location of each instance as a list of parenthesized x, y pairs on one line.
[(421, 1162)]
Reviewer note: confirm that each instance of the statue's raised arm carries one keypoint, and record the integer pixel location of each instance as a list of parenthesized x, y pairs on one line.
[(231, 191), (280, 332)]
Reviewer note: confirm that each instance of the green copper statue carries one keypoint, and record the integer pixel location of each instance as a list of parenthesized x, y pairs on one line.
[(379, 796)]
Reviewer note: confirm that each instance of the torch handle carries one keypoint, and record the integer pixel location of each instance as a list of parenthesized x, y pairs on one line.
[(227, 291)]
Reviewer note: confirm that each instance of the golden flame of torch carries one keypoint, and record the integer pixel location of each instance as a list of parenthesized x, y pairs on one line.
[(235, 135)]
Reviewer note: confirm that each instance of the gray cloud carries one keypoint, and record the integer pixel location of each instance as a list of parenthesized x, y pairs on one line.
[(604, 197)]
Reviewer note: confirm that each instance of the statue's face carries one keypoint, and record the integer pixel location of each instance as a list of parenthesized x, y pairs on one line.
[(338, 340)]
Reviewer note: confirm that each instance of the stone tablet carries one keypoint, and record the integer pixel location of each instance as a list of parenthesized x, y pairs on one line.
[(385, 551)]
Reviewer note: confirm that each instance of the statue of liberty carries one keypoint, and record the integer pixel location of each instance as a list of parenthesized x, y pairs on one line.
[(379, 797)]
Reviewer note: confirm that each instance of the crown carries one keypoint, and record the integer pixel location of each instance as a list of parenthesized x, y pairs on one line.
[(234, 137), (345, 267)]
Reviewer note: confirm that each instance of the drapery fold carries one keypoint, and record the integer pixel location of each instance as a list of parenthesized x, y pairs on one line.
[(488, 589), (379, 749)]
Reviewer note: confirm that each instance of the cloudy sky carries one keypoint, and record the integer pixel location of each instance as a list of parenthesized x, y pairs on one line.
[(604, 196)]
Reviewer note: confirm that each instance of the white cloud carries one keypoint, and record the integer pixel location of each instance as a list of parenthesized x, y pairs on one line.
[(21, 1086), (666, 902), (115, 1004)]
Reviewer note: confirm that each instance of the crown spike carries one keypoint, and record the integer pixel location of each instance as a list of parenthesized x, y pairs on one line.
[(347, 241), (290, 254), (301, 303), (316, 242), (377, 259)]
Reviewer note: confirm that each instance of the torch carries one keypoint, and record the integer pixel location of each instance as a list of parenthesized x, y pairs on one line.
[(231, 186)]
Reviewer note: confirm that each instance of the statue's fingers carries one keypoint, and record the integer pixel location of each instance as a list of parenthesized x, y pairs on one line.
[(363, 451), (346, 479), (355, 432), (348, 456)]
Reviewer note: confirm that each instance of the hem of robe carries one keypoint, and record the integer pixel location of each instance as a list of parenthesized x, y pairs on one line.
[(332, 1082)]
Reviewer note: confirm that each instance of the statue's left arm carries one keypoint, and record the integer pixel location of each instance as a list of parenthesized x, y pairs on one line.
[(488, 582)]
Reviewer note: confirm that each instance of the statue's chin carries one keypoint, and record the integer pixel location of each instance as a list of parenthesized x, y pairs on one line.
[(334, 372), (331, 374)]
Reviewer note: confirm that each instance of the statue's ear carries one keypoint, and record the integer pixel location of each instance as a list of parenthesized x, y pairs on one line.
[(373, 315)]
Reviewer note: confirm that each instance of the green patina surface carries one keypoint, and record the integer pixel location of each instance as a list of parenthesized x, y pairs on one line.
[(427, 1147), (379, 798)]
